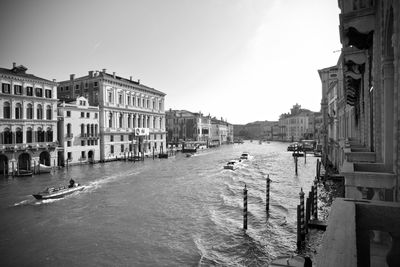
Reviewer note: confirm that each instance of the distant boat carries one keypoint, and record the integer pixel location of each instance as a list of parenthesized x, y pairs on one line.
[(245, 155), (22, 173), (41, 168), (231, 165)]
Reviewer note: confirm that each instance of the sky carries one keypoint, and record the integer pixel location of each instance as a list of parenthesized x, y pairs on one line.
[(240, 60)]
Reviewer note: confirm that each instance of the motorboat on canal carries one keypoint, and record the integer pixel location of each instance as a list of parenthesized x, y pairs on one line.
[(189, 155), (232, 165), (245, 155), (41, 168), (58, 192), (291, 261)]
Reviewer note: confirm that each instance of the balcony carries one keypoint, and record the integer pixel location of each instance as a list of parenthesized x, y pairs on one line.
[(361, 233), (89, 136), (69, 136)]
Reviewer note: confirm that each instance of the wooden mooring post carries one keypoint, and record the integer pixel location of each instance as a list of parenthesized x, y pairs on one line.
[(267, 194), (305, 157), (13, 169), (295, 164), (302, 227), (245, 207), (315, 201), (298, 228)]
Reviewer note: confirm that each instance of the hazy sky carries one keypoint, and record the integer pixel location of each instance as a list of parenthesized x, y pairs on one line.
[(243, 60)]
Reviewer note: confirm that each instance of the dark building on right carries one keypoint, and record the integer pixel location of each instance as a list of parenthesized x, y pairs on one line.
[(361, 133)]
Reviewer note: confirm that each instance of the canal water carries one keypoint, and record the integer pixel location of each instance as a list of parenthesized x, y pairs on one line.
[(181, 211)]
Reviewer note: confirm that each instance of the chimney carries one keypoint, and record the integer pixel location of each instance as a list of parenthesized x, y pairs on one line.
[(91, 74), (114, 74), (130, 78), (104, 70), (72, 77), (14, 64), (54, 80), (138, 81)]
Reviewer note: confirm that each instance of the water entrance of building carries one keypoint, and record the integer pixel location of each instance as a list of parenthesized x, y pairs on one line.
[(24, 162), (3, 165), (45, 158)]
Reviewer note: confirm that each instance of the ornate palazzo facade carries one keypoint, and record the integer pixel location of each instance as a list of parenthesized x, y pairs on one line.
[(131, 115), (28, 120)]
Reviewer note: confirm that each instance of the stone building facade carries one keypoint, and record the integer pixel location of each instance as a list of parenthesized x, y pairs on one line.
[(78, 132), (368, 137), (131, 115), (28, 120), (295, 125)]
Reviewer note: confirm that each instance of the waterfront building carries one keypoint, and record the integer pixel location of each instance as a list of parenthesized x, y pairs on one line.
[(221, 132), (28, 120), (368, 137), (296, 125), (258, 130), (183, 125), (78, 132), (131, 115)]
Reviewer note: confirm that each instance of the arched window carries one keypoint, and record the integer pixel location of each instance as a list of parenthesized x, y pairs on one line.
[(18, 111), (39, 112), (18, 136), (96, 130), (48, 112), (88, 129), (120, 120), (92, 130), (129, 121), (40, 135), (29, 135), (49, 135), (82, 129), (110, 119), (7, 136), (7, 110), (29, 112), (68, 129)]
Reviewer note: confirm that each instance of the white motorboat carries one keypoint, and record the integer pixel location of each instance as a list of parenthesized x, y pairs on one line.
[(58, 192), (245, 155), (231, 165)]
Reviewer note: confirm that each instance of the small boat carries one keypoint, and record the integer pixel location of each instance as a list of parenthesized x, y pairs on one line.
[(245, 155), (58, 192), (231, 165), (291, 261), (41, 168), (188, 155), (22, 173)]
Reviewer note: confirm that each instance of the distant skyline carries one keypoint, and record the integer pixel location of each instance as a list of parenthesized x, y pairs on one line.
[(242, 60)]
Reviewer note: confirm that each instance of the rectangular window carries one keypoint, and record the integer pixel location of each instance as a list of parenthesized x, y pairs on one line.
[(48, 93), (17, 89), (122, 138), (110, 97), (82, 114), (87, 115), (69, 155), (86, 85), (111, 138), (82, 142), (120, 99), (29, 91), (68, 113), (77, 86), (148, 104), (129, 101), (83, 154), (95, 115), (68, 143), (95, 84), (112, 149), (66, 88), (134, 101), (122, 148), (5, 88), (38, 92)]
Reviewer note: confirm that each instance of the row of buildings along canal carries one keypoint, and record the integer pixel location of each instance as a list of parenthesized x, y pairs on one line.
[(94, 118)]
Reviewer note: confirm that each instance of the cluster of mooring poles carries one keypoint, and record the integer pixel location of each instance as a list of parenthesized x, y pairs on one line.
[(268, 181), (307, 215)]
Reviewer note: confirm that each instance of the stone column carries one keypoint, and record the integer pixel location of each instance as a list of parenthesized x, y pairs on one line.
[(388, 98)]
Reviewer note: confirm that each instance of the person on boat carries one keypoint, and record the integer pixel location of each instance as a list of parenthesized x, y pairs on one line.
[(71, 183)]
